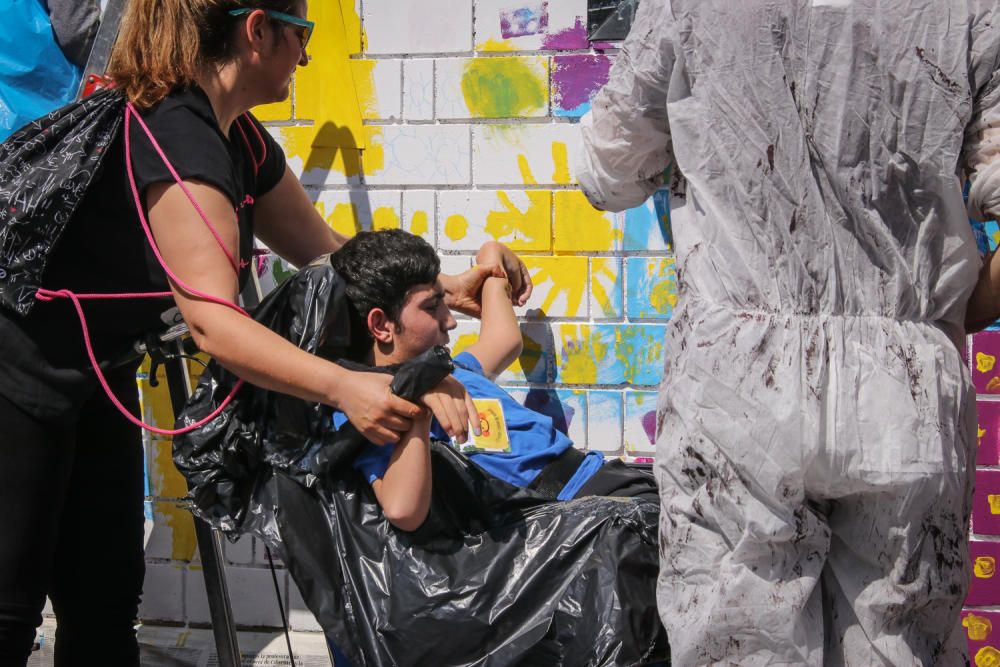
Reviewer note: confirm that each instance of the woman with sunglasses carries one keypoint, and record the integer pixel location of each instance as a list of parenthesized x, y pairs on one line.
[(71, 467)]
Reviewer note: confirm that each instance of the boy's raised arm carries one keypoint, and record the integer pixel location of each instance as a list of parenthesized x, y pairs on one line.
[(500, 341)]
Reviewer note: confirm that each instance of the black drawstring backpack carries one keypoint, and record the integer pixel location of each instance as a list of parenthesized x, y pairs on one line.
[(46, 168)]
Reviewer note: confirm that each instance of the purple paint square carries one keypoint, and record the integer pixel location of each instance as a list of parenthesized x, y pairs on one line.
[(985, 587), (986, 503), (568, 39), (985, 358), (982, 629), (577, 78), (524, 21), (988, 436)]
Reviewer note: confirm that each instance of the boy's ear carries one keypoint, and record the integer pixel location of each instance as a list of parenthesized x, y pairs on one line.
[(379, 325)]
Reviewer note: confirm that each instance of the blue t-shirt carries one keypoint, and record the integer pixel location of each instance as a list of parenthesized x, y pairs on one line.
[(534, 440)]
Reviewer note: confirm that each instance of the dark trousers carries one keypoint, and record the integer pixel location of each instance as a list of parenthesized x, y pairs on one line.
[(71, 527)]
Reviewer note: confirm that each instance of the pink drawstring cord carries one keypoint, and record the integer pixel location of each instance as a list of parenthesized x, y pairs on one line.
[(49, 295)]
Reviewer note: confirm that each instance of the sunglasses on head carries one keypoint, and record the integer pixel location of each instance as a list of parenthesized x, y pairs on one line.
[(305, 25)]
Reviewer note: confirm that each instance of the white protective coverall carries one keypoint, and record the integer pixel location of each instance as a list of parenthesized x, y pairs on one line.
[(816, 432)]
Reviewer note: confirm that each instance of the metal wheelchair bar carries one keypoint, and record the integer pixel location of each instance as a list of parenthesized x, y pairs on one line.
[(171, 354)]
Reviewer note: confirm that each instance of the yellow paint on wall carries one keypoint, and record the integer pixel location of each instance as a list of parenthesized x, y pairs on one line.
[(325, 90), (579, 227), (364, 82), (272, 112), (354, 37), (456, 227), (164, 479), (385, 217), (635, 352), (987, 656), (603, 270), (581, 348), (560, 277), (979, 627), (560, 158), (494, 45), (343, 219), (530, 229), (462, 343), (985, 362), (298, 143), (525, 169), (181, 525), (419, 223), (373, 155), (663, 296), (505, 87)]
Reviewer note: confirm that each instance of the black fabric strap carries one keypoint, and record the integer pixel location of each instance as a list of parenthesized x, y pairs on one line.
[(553, 477)]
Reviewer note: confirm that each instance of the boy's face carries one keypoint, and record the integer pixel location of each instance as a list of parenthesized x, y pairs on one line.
[(424, 322)]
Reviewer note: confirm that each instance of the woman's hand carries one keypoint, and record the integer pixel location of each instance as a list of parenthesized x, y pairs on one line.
[(380, 416), (453, 408), (493, 253)]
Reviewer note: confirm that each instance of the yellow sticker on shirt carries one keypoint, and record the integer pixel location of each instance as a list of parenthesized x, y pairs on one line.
[(495, 438)]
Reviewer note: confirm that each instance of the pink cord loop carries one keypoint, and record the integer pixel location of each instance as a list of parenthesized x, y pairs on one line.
[(49, 295)]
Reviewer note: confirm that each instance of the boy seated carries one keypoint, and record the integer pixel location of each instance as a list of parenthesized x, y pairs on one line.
[(398, 310)]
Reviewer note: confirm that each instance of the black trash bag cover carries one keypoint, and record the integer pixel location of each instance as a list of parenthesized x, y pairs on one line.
[(496, 575), (46, 168)]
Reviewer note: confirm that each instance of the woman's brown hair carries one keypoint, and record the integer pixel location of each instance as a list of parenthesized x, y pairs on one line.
[(163, 44)]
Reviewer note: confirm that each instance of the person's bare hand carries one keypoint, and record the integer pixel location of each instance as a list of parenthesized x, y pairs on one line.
[(380, 416), (514, 269), (453, 408), (464, 291)]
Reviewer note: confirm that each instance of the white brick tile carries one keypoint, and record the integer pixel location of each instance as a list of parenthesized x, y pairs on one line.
[(388, 99), (351, 211), (418, 213), (318, 167), (604, 422), (251, 592), (503, 25), (494, 87), (640, 423), (431, 26), (418, 89), (163, 593), (418, 155), (239, 552), (523, 154), (521, 219)]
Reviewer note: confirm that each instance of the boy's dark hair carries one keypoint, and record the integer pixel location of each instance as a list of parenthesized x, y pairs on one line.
[(379, 269)]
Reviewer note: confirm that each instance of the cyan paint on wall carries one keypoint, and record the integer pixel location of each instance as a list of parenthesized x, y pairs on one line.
[(647, 226), (575, 80), (610, 354), (604, 421), (651, 287), (566, 407), (537, 361), (640, 422)]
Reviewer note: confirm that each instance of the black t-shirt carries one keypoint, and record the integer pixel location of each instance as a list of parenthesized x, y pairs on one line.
[(104, 248)]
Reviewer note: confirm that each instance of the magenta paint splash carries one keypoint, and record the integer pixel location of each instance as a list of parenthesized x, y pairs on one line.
[(649, 426), (570, 38), (524, 21), (576, 78)]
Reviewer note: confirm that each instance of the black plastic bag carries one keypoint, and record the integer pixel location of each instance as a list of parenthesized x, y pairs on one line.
[(46, 168), (497, 575)]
